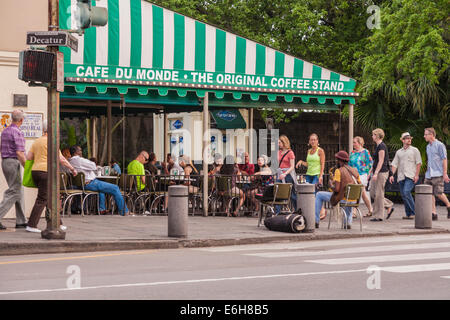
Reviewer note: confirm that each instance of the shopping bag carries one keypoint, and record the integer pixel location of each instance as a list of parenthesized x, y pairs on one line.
[(27, 178)]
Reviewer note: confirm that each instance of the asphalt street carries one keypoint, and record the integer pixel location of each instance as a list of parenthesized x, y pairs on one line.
[(394, 267)]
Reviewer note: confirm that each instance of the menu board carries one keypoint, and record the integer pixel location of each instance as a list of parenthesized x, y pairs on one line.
[(31, 126)]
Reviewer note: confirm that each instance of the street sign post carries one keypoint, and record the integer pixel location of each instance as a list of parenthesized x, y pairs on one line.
[(52, 38), (59, 71)]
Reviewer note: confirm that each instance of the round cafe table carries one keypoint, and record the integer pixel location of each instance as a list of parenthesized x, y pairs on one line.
[(110, 179)]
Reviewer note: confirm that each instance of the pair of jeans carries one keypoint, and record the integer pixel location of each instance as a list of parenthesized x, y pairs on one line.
[(109, 188), (324, 196), (406, 186), (312, 179)]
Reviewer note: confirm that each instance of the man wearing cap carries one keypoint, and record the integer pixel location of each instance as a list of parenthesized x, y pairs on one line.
[(343, 176), (406, 163), (436, 173)]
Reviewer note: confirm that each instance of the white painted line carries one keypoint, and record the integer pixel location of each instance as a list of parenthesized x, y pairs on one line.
[(446, 277), (323, 243), (269, 276), (417, 268), (371, 259), (287, 254)]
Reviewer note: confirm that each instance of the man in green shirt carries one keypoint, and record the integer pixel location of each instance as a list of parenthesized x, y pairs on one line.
[(136, 167)]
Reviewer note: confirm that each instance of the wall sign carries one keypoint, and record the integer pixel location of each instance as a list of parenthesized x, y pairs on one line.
[(20, 100), (31, 126)]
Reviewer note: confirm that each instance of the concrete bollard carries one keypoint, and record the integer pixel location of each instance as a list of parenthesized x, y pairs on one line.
[(306, 201), (423, 206), (178, 211)]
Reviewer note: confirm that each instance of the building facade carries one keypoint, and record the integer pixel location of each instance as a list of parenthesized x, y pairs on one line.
[(18, 17)]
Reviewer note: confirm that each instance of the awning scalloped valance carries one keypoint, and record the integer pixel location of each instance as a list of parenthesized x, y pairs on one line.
[(218, 94)]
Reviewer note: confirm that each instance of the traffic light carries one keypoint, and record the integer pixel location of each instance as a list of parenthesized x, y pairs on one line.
[(88, 16), (36, 65)]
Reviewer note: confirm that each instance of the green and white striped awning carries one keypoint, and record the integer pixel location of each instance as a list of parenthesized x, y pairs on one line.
[(145, 48)]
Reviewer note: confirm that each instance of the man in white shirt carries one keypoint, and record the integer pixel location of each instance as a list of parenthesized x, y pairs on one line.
[(407, 163), (89, 169)]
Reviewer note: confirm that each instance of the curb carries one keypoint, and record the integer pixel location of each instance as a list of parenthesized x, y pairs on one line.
[(58, 246)]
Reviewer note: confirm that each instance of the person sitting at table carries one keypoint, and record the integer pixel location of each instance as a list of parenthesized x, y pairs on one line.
[(168, 165), (114, 165), (188, 167), (261, 179), (218, 162), (246, 168), (66, 153), (136, 168), (151, 164), (91, 183), (229, 168)]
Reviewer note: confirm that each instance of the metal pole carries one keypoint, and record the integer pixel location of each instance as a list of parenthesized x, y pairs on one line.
[(53, 206), (109, 133), (122, 101), (165, 150), (206, 140), (250, 137), (350, 128)]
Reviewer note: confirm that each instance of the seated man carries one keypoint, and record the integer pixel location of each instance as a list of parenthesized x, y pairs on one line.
[(247, 168), (136, 167), (89, 169), (343, 176)]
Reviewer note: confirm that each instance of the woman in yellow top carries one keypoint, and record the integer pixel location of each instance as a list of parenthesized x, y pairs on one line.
[(38, 153), (315, 161)]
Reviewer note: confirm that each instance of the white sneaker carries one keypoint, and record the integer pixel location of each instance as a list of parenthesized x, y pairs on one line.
[(63, 227), (35, 230)]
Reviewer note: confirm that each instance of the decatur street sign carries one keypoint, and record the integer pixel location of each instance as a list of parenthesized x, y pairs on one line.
[(52, 38)]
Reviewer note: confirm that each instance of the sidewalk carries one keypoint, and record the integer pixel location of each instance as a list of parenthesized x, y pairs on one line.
[(105, 233)]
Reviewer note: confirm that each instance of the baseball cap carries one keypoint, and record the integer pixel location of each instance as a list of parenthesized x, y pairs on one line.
[(404, 135)]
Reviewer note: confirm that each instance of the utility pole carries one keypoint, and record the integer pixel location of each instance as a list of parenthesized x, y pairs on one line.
[(52, 215)]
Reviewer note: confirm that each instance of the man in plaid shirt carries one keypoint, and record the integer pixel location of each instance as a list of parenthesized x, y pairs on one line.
[(13, 156)]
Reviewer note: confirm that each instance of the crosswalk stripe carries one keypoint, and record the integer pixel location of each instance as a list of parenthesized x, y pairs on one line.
[(389, 258), (417, 268), (288, 254), (321, 243)]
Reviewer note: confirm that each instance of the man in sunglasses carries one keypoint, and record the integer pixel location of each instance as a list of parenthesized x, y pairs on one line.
[(136, 167), (91, 182)]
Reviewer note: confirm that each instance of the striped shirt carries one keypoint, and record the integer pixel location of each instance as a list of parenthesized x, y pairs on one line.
[(12, 141)]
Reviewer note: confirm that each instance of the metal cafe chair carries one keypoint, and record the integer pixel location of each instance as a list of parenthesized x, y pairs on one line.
[(158, 192), (281, 197), (127, 190), (140, 199), (79, 181), (67, 193), (224, 192), (352, 196)]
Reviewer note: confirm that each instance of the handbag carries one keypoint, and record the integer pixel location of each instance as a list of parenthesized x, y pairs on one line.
[(27, 178)]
